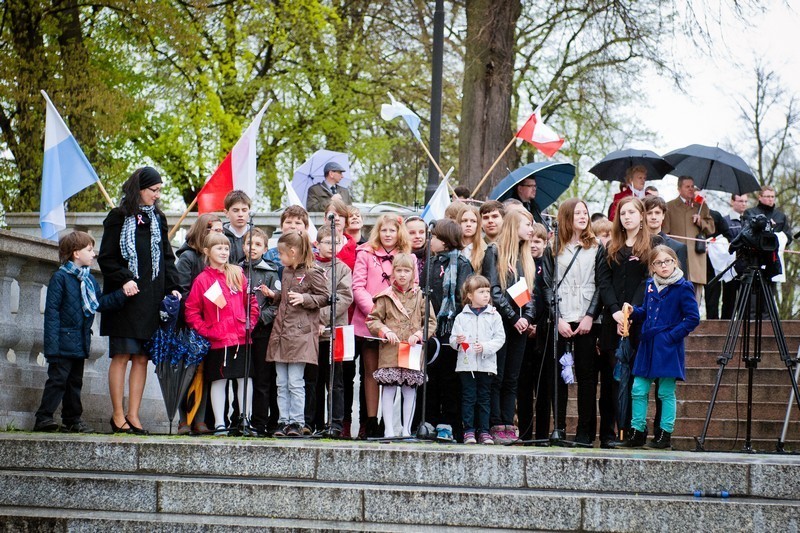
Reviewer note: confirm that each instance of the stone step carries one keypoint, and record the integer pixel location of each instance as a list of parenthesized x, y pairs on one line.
[(777, 375), (733, 445), (715, 343), (720, 327), (698, 408), (133, 484)]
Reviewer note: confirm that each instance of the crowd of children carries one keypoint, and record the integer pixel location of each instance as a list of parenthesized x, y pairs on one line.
[(493, 274)]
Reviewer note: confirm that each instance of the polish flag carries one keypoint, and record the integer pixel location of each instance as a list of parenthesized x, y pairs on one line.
[(540, 135), (236, 172), (214, 293), (344, 348), (519, 292), (409, 357)]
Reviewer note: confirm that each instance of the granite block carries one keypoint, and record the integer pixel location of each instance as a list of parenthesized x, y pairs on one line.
[(406, 465), (632, 472), (265, 498), (474, 508), (775, 480), (668, 514), (227, 457), (77, 491), (68, 452)]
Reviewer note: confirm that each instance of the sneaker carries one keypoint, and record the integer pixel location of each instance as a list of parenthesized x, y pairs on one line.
[(662, 441), (512, 433), (636, 438), (469, 437), (76, 427), (48, 425), (294, 430), (485, 437), (444, 432), (498, 433)]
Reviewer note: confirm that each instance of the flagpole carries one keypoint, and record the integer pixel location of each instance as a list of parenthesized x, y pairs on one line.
[(438, 168), (508, 146), (104, 192), (183, 217)]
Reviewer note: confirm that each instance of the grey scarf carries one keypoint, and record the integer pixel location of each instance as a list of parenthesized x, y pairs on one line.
[(662, 283)]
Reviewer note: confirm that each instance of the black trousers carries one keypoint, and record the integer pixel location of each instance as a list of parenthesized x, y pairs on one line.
[(713, 293), (263, 385), (317, 383), (586, 363), (443, 400), (530, 377), (63, 387), (730, 289), (504, 386)]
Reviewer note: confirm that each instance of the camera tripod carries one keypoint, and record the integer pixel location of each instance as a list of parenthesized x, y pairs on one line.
[(752, 284)]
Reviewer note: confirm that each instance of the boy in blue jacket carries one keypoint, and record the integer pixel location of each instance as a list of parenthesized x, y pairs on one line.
[(73, 297)]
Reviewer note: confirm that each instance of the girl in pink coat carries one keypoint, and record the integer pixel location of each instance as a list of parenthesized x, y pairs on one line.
[(371, 275), (215, 308)]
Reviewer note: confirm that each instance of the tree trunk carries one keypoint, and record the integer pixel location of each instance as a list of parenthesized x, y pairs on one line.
[(488, 80)]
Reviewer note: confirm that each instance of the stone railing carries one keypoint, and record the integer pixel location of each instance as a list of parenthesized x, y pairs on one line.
[(26, 264)]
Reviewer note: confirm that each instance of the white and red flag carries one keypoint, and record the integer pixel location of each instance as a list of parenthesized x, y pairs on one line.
[(409, 356), (214, 293), (540, 135), (236, 172), (344, 348), (520, 292)]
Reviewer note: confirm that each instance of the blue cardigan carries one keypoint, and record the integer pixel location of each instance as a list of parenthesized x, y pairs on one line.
[(668, 317), (67, 332)]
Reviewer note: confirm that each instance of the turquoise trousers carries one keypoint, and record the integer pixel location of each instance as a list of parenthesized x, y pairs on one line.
[(666, 393)]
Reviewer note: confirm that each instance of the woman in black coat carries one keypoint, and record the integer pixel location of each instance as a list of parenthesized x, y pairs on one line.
[(135, 255), (621, 278)]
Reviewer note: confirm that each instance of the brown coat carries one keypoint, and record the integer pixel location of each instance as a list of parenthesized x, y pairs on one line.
[(295, 330), (344, 293), (678, 223), (401, 313)]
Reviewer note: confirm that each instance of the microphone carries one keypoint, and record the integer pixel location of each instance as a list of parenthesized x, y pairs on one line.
[(330, 216)]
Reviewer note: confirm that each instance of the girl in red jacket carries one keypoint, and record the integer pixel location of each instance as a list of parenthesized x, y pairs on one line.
[(216, 309)]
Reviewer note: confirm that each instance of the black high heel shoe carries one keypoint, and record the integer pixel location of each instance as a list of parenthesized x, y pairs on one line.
[(135, 430), (117, 429)]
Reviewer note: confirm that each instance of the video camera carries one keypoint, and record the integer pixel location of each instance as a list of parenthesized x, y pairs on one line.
[(757, 244)]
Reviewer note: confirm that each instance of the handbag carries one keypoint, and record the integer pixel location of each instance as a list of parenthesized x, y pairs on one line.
[(700, 244)]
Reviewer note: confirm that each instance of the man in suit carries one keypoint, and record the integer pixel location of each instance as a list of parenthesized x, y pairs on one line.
[(320, 195), (655, 210), (687, 218)]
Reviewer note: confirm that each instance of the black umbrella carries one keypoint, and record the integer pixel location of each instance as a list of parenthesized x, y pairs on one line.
[(713, 169), (614, 166), (622, 372)]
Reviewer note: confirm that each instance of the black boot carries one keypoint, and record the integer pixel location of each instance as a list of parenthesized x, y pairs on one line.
[(373, 429), (635, 439), (662, 441)]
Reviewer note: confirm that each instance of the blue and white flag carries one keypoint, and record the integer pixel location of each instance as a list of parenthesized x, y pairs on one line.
[(65, 172), (396, 109), (437, 204)]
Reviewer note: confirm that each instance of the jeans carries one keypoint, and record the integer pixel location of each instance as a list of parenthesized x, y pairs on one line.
[(64, 383), (475, 393), (666, 392), (504, 384), (291, 392)]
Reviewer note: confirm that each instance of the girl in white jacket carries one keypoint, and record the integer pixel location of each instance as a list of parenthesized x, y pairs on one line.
[(477, 334)]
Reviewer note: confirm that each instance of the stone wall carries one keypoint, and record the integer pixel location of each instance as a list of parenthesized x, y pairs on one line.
[(26, 264)]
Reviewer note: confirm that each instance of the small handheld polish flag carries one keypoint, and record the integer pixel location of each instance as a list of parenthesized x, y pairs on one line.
[(519, 292), (409, 357), (344, 348), (214, 293)]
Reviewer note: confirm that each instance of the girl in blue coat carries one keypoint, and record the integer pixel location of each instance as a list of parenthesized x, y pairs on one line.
[(669, 313)]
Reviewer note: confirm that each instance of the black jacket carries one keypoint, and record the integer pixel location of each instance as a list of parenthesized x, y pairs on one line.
[(67, 331), (264, 273), (547, 272), (138, 318), (774, 215), (189, 265), (507, 308), (439, 264), (680, 250), (237, 245)]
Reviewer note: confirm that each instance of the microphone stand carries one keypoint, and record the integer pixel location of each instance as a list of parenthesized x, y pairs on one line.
[(244, 428), (422, 430), (332, 343)]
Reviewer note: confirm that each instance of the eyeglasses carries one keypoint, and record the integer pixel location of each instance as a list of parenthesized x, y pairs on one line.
[(329, 243), (154, 190), (216, 230), (665, 262)]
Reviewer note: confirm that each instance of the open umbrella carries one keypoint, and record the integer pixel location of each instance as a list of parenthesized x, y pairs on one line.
[(614, 166), (713, 169), (310, 172), (622, 371), (552, 179)]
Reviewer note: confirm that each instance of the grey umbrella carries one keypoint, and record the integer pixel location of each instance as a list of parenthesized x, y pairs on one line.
[(713, 169)]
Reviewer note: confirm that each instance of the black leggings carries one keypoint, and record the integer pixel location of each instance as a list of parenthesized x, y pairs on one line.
[(504, 385)]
